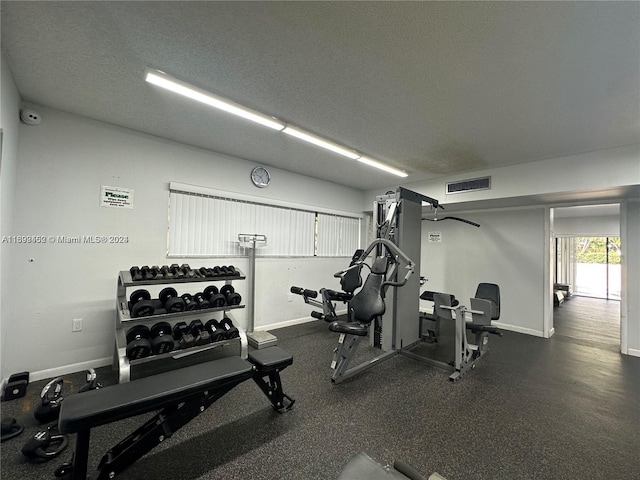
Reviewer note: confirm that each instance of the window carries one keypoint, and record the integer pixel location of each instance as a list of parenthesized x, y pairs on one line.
[(206, 223)]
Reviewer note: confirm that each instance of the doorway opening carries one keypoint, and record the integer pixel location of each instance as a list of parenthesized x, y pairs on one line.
[(591, 265)]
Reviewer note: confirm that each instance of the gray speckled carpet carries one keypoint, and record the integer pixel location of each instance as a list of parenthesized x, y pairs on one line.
[(533, 408)]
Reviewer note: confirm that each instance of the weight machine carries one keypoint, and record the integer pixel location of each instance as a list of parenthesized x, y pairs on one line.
[(391, 318)]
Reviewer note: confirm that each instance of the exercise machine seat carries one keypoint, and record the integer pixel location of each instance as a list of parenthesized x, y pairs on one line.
[(368, 303), (491, 292), (351, 280), (429, 296)]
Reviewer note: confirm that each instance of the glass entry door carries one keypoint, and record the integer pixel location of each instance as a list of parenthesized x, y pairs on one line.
[(590, 264)]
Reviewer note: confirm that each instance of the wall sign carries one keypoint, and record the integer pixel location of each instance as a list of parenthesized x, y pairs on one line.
[(435, 236), (116, 197)]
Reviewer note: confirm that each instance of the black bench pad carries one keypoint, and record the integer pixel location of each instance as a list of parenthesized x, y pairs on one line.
[(349, 328), (270, 358), (116, 402)]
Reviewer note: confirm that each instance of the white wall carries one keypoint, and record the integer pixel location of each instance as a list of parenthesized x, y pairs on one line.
[(507, 249), (9, 125), (587, 172), (62, 164), (630, 262), (597, 226)]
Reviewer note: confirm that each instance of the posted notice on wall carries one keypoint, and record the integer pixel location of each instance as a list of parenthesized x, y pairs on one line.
[(435, 236), (116, 197)]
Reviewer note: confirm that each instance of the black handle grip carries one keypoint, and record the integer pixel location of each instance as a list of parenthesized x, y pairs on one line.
[(304, 292), (317, 315)]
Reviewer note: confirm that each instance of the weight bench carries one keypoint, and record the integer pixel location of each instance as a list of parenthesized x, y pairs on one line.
[(178, 395)]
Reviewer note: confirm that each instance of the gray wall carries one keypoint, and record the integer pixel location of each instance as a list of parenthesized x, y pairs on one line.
[(62, 164), (507, 249)]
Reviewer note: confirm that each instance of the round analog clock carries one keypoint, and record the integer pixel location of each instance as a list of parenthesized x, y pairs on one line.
[(260, 177)]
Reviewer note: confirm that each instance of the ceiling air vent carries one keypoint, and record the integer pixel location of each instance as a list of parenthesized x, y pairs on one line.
[(463, 186)]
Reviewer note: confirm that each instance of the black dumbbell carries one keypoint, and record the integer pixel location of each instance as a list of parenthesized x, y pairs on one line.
[(217, 271), (175, 269), (186, 269), (146, 272), (183, 336), (230, 295), (205, 272), (171, 301), (189, 303), (157, 274), (136, 274), (166, 272), (138, 344), (217, 332), (214, 297), (230, 330), (161, 339), (140, 304), (200, 334), (201, 301), (231, 271)]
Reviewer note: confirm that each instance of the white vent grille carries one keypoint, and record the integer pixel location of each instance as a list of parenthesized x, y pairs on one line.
[(474, 184)]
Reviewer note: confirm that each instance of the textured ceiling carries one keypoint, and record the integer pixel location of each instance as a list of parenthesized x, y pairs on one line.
[(430, 87)]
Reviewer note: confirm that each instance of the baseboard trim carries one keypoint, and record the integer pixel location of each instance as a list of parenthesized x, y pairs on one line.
[(518, 329), (67, 369), (633, 352), (290, 323)]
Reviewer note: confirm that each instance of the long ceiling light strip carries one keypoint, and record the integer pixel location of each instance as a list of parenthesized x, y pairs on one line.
[(376, 164), (320, 142), (179, 87)]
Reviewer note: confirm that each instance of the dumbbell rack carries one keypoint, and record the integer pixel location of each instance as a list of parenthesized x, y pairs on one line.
[(178, 358)]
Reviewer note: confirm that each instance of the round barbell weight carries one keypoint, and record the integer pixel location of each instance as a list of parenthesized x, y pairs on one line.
[(231, 297), (161, 339), (171, 301), (140, 304), (230, 330), (214, 297), (216, 331), (138, 344)]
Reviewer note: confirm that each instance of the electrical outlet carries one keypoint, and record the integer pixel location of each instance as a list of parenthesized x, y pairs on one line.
[(77, 325)]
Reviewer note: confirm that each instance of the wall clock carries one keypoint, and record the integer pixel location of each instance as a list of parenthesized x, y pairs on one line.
[(260, 177)]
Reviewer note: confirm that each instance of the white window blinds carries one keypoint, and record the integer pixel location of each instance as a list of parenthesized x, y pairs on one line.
[(337, 236), (203, 224)]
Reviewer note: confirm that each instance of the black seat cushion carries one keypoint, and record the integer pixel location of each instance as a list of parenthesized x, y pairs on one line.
[(270, 358), (349, 328)]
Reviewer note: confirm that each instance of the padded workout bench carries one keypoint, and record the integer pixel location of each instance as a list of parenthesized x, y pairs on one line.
[(179, 395)]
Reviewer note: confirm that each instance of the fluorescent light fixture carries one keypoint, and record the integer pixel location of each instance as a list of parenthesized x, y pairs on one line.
[(374, 163), (174, 85), (320, 142), (162, 80)]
